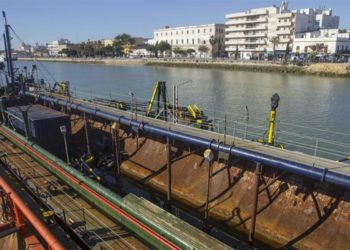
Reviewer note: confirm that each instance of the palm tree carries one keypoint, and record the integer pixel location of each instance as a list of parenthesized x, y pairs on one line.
[(212, 42), (274, 40), (117, 47)]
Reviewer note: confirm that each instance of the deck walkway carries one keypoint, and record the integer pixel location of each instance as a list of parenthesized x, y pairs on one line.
[(285, 154), (93, 227)]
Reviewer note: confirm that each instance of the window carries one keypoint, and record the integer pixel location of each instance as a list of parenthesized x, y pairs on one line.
[(176, 32), (177, 41), (193, 41), (199, 31), (182, 41), (171, 42), (210, 30), (166, 33), (161, 34), (204, 30), (199, 41), (204, 42), (188, 31), (188, 42), (171, 33), (182, 32), (192, 31)]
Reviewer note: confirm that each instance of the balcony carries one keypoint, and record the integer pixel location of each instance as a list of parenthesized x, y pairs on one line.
[(246, 35), (245, 42), (246, 14), (236, 29), (240, 49), (283, 32), (284, 24), (285, 40), (259, 20)]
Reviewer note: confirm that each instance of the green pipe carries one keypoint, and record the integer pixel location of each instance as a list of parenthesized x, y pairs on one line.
[(104, 192)]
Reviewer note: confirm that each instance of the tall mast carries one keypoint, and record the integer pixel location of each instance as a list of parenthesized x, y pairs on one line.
[(8, 49)]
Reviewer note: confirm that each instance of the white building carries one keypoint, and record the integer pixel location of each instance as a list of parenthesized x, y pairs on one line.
[(56, 46), (250, 33), (193, 37), (325, 41)]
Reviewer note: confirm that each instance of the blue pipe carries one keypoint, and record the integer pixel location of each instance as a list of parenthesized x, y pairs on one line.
[(323, 175)]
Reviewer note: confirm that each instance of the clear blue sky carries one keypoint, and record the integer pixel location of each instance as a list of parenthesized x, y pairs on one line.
[(78, 20)]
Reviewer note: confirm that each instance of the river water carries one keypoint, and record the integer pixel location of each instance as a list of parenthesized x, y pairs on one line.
[(312, 109)]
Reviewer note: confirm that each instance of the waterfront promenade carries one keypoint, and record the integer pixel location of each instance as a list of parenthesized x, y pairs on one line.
[(319, 69)]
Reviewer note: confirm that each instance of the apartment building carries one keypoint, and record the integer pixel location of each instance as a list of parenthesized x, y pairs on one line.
[(192, 37), (324, 41), (250, 33), (56, 46)]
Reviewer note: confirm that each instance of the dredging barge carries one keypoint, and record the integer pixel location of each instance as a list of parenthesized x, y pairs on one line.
[(269, 194)]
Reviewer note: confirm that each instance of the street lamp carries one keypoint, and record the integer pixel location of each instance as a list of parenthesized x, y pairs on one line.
[(63, 130), (208, 156)]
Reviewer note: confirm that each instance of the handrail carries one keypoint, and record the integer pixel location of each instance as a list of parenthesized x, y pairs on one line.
[(268, 160), (39, 226)]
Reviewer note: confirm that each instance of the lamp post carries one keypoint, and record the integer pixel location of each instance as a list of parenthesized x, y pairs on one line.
[(208, 156), (63, 130), (132, 104)]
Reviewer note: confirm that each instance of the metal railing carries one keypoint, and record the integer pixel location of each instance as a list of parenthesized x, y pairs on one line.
[(70, 211), (246, 125)]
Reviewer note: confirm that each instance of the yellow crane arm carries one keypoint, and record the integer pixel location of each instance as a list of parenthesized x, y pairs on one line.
[(197, 110), (155, 90), (190, 109)]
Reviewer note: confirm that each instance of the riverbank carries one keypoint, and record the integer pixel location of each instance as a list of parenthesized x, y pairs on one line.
[(318, 69)]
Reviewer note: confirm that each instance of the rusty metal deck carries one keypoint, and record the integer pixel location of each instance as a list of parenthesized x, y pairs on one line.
[(94, 227), (285, 154)]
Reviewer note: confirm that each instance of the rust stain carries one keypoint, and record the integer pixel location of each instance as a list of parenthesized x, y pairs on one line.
[(292, 210)]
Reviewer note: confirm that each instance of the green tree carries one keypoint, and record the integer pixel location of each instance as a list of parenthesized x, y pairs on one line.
[(109, 51), (212, 42), (275, 41), (64, 51), (125, 39), (190, 52), (117, 48), (153, 49), (163, 47), (179, 52), (203, 49), (89, 51)]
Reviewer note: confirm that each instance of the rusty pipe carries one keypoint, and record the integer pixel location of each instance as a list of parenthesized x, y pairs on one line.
[(39, 226)]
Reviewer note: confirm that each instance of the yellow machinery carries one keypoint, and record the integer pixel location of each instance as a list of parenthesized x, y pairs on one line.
[(274, 105), (196, 114), (63, 87), (344, 159), (159, 95), (272, 122), (48, 215)]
